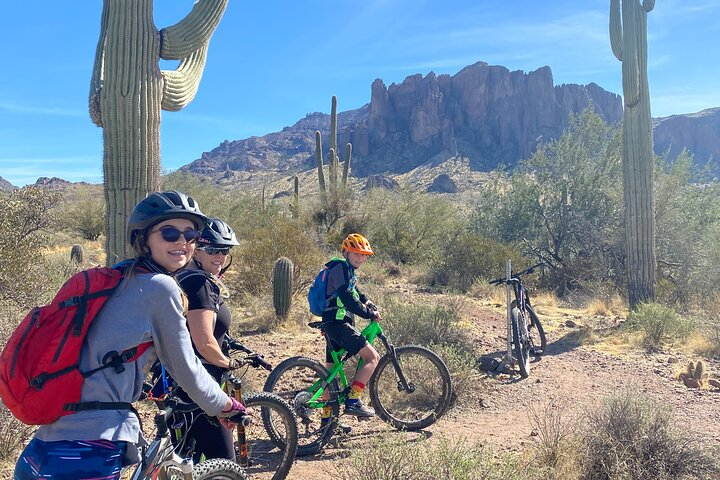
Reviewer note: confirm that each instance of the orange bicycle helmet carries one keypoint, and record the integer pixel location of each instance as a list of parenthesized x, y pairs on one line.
[(356, 243)]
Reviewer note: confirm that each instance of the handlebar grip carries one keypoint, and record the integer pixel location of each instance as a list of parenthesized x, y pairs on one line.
[(265, 364), (241, 419)]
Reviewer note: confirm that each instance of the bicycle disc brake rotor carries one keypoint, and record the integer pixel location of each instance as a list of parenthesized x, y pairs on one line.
[(300, 405)]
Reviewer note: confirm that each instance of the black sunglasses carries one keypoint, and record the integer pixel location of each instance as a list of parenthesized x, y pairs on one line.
[(172, 234), (215, 250)]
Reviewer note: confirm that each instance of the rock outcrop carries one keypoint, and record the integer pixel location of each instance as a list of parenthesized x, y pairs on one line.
[(443, 184), (485, 113), (698, 132)]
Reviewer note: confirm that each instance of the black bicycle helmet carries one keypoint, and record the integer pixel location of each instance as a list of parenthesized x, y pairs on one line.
[(160, 206), (217, 234)]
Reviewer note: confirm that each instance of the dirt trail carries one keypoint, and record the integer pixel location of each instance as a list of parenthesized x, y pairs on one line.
[(571, 375)]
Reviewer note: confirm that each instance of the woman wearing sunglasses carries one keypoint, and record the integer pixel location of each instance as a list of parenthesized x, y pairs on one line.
[(209, 320), (146, 309)]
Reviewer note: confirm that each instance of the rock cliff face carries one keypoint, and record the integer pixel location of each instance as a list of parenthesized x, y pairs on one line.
[(698, 132), (485, 113)]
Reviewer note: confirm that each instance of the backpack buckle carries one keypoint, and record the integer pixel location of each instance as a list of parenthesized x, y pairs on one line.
[(39, 381)]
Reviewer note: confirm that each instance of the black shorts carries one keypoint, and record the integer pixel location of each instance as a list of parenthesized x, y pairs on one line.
[(339, 334)]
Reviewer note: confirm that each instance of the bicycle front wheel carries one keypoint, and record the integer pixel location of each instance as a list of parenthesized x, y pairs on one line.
[(536, 333), (218, 469), (428, 395), (271, 436), (295, 380), (521, 343)]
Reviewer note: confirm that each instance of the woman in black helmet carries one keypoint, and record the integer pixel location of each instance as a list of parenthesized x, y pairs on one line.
[(146, 309), (209, 320)]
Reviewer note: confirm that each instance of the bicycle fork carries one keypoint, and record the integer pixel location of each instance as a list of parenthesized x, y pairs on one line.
[(403, 385), (242, 453)]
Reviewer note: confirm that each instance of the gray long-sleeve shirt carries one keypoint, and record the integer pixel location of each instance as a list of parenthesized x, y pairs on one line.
[(145, 307)]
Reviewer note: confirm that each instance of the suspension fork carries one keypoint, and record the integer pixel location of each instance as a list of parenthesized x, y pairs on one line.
[(240, 428), (403, 384)]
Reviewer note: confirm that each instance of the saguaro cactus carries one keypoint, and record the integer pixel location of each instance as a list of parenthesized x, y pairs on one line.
[(337, 190), (282, 286), (128, 90), (628, 39)]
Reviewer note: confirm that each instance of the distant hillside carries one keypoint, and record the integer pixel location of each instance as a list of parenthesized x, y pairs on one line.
[(485, 113), (6, 186), (698, 132)]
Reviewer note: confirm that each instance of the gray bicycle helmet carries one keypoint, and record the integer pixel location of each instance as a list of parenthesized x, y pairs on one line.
[(161, 206), (217, 234)]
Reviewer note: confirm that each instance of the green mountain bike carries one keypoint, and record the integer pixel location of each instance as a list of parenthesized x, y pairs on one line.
[(410, 389)]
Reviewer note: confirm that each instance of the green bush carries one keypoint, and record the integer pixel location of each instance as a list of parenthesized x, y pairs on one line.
[(658, 324), (630, 437), (85, 215), (393, 458), (28, 214), (408, 323), (467, 258)]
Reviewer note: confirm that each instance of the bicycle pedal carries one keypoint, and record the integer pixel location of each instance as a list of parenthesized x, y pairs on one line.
[(364, 419)]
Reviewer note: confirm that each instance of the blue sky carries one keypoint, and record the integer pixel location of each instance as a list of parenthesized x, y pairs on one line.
[(272, 62)]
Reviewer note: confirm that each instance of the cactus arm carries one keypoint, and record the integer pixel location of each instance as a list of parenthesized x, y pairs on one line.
[(648, 5), (346, 165), (633, 28), (181, 85), (193, 32), (319, 158), (333, 124), (616, 32), (97, 73)]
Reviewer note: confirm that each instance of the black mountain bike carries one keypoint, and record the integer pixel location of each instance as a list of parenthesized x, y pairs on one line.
[(526, 331)]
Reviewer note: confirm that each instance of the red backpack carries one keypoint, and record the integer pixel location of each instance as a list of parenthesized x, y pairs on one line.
[(40, 379)]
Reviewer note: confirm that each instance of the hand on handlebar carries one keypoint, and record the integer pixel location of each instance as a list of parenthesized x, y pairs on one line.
[(236, 415)]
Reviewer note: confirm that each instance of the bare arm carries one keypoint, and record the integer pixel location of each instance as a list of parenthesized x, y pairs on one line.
[(201, 323)]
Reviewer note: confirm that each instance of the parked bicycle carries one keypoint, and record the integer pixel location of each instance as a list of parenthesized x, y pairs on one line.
[(164, 459), (410, 388), (266, 450), (526, 332)]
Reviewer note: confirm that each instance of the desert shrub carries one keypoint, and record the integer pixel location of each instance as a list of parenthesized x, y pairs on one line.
[(419, 324), (658, 324), (85, 215), (467, 258), (25, 219), (392, 458), (466, 377), (630, 436), (261, 246), (406, 226), (557, 450)]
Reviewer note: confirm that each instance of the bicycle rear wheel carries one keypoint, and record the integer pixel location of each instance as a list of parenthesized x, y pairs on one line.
[(430, 388), (536, 333), (271, 436), (218, 469), (292, 380), (521, 343)]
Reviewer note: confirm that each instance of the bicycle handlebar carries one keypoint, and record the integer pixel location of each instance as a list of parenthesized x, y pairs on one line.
[(515, 277), (253, 359)]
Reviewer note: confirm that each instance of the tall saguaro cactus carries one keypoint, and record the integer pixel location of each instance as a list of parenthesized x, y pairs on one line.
[(128, 91), (628, 39), (338, 186)]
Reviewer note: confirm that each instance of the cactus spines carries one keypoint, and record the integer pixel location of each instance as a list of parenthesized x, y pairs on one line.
[(628, 40), (76, 254), (128, 91), (282, 286)]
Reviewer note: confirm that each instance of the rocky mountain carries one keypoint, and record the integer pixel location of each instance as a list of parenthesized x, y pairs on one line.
[(698, 132), (6, 186), (485, 113)]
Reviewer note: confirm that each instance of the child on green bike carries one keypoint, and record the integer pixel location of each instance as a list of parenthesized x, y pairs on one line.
[(344, 301)]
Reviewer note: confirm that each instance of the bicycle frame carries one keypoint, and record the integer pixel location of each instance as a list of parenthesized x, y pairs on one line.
[(371, 332)]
